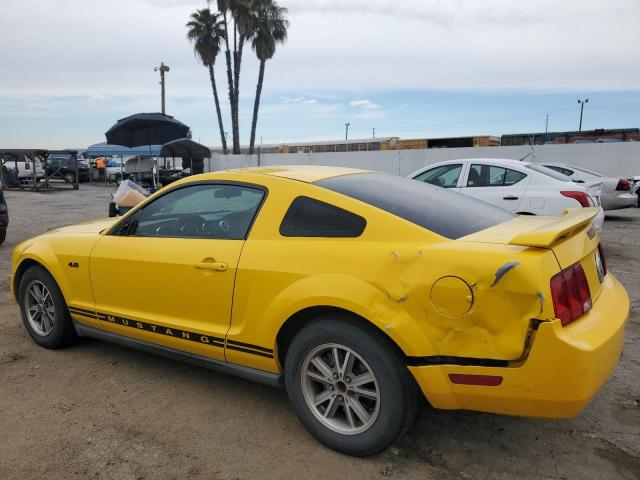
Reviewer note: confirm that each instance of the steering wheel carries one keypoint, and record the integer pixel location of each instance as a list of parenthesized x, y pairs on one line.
[(191, 225)]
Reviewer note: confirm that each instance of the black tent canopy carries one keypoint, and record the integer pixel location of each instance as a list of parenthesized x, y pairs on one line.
[(186, 149)]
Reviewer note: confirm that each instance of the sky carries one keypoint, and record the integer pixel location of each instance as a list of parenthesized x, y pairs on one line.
[(409, 68)]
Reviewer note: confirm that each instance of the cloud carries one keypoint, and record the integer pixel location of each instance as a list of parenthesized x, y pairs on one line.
[(337, 50), (365, 103)]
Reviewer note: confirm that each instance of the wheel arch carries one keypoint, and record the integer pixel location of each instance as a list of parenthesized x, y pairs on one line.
[(22, 268), (302, 318), (30, 260)]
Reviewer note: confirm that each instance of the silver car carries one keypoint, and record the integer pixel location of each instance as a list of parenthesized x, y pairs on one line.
[(616, 192)]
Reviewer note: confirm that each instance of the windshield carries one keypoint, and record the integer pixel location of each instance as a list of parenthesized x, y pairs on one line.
[(445, 212), (549, 172)]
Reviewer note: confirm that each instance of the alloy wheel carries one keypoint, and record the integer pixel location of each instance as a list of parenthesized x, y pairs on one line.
[(340, 389), (39, 308)]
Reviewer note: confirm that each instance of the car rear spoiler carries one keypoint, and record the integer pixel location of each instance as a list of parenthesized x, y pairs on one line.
[(548, 233)]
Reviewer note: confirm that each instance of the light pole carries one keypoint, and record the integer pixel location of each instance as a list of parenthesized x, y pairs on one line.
[(346, 133), (162, 69), (546, 130), (582, 102)]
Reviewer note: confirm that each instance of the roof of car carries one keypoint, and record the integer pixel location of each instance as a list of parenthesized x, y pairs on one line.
[(302, 173), (495, 161)]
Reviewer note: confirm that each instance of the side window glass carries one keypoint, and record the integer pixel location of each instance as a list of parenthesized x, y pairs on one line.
[(496, 176), (478, 176), (200, 211), (512, 177), (443, 176), (492, 176), (307, 217)]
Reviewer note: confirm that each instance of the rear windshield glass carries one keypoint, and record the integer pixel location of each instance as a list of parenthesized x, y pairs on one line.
[(445, 212), (551, 173)]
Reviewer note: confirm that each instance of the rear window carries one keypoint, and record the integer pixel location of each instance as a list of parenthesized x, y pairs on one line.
[(547, 171), (307, 217), (445, 212)]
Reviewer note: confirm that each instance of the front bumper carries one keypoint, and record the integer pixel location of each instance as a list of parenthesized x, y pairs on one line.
[(565, 367)]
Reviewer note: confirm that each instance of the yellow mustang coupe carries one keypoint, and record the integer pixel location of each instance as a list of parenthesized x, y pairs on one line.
[(354, 290)]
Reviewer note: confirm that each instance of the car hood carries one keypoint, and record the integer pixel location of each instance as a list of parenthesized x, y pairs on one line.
[(93, 226)]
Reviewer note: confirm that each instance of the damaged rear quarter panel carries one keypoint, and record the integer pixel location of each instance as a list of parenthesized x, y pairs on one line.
[(510, 286)]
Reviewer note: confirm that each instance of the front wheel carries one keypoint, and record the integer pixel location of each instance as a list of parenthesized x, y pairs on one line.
[(44, 311), (349, 387)]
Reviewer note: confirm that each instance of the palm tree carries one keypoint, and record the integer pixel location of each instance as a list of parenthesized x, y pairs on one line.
[(205, 31), (270, 29), (223, 7), (244, 17)]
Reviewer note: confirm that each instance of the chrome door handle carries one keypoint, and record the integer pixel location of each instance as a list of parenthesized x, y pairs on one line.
[(215, 266)]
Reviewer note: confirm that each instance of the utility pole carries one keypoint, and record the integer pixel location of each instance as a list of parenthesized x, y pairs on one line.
[(546, 130), (581, 102), (346, 133), (162, 69), (374, 133)]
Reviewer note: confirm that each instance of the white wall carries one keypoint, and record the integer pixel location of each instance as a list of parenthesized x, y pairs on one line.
[(616, 159)]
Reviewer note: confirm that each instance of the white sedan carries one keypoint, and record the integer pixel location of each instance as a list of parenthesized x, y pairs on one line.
[(616, 192), (521, 187)]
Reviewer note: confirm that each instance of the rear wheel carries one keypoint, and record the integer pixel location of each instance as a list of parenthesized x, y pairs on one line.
[(3, 235), (349, 387), (44, 311)]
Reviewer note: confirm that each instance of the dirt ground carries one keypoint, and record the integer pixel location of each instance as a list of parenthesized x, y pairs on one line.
[(101, 411)]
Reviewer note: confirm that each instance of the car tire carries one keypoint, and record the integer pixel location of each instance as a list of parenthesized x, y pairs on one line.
[(53, 327), (70, 178), (346, 421), (3, 235)]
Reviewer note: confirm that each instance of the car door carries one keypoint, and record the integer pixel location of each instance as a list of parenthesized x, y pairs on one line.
[(166, 274), (501, 186)]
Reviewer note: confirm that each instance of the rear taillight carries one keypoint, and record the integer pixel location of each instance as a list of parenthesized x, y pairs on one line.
[(602, 259), (581, 197), (570, 294), (623, 185)]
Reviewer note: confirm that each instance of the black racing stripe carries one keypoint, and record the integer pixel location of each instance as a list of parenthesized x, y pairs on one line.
[(162, 330), (462, 361), (82, 310), (176, 333), (83, 314), (248, 345), (252, 352)]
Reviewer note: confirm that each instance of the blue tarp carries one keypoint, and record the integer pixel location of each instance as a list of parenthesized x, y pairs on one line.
[(104, 149)]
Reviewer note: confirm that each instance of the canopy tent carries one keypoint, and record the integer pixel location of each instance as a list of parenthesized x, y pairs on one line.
[(182, 147), (185, 148), (106, 150)]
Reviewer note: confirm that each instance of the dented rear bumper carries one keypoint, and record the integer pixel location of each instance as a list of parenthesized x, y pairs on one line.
[(565, 367)]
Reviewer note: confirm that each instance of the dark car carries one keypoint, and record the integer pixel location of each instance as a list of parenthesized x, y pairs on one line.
[(65, 167), (4, 217)]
